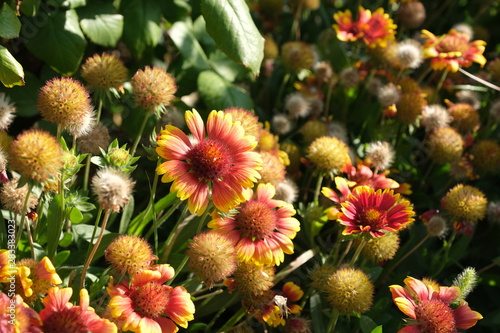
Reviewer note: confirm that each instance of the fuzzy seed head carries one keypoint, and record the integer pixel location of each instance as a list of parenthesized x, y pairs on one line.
[(112, 188), (294, 156), (437, 226), (349, 77), (445, 145), (493, 212), (316, 107), (495, 110), (435, 116), (410, 53), (410, 107), (253, 280), (338, 130), (297, 56), (83, 126), (64, 101), (486, 156), (281, 124), (464, 29), (273, 170), (465, 202), (350, 291), (494, 68), (103, 72), (129, 254), (36, 155), (469, 97), (297, 325), (313, 129), (323, 71), (465, 117), (287, 191), (12, 197), (380, 249), (329, 154), (411, 14), (388, 95), (153, 88), (380, 154), (211, 257), (466, 281), (97, 138), (297, 105), (7, 112)]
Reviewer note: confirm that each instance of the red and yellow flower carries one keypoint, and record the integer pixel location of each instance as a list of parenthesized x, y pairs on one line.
[(282, 305), (376, 212), (7, 266), (429, 307), (453, 50), (146, 304), (217, 162), (374, 29), (17, 317), (263, 228), (60, 315), (36, 278)]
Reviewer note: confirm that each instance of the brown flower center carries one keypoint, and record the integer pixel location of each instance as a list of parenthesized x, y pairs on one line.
[(452, 43), (65, 320), (374, 218), (210, 160), (434, 316), (150, 299), (256, 220)]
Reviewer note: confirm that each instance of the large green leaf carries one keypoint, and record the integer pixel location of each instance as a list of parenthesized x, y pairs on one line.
[(231, 26), (11, 71), (219, 94), (182, 35), (9, 23), (141, 29), (24, 97), (101, 24), (60, 42), (29, 7)]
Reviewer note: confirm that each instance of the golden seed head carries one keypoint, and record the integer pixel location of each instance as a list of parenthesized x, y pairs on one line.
[(465, 202), (129, 254), (486, 156), (153, 88), (36, 155), (313, 129), (297, 56), (248, 120), (350, 291), (380, 249), (273, 169), (410, 107), (445, 145), (320, 276), (12, 197), (329, 154), (253, 280), (465, 117), (104, 72), (97, 138)]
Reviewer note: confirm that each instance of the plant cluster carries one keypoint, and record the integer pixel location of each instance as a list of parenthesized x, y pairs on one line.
[(249, 166)]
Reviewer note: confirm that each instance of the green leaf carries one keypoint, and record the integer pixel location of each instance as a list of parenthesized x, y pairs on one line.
[(75, 215), (66, 240), (29, 7), (60, 42), (85, 231), (182, 35), (61, 257), (141, 29), (9, 23), (219, 94), (101, 24), (142, 219), (231, 26), (127, 213), (317, 313), (377, 329), (11, 71), (367, 324), (53, 224), (67, 3)]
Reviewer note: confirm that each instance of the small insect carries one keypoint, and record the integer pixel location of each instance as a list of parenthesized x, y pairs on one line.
[(280, 302)]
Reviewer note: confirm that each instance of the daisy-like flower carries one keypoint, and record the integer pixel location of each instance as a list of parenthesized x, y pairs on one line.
[(145, 302), (276, 312), (361, 175), (263, 228), (374, 29), (7, 266), (376, 212), (429, 307), (60, 315), (452, 50), (17, 317), (35, 278), (218, 162)]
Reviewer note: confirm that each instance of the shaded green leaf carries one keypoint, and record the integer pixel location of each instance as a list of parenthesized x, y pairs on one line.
[(367, 324), (182, 35), (11, 71), (317, 313), (138, 224), (61, 257), (75, 216), (9, 23), (29, 7), (101, 24), (219, 94), (60, 42), (127, 213), (53, 224), (231, 26), (141, 25)]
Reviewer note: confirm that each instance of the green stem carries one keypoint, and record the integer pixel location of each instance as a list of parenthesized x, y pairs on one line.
[(232, 321), (99, 110), (162, 219), (203, 218), (358, 251), (24, 221), (447, 248), (169, 243), (179, 269), (107, 213), (440, 84), (98, 218), (139, 135), (86, 174), (333, 321), (318, 189)]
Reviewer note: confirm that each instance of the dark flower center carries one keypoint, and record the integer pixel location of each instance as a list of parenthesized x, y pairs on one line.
[(210, 160), (65, 320), (434, 316), (150, 299), (256, 220), (372, 217)]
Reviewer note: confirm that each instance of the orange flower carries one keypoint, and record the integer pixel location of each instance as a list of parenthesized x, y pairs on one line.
[(36, 277), (17, 317), (364, 176), (145, 302), (281, 306), (61, 316), (367, 210), (429, 307), (222, 164), (262, 229), (7, 265), (453, 50), (374, 29)]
